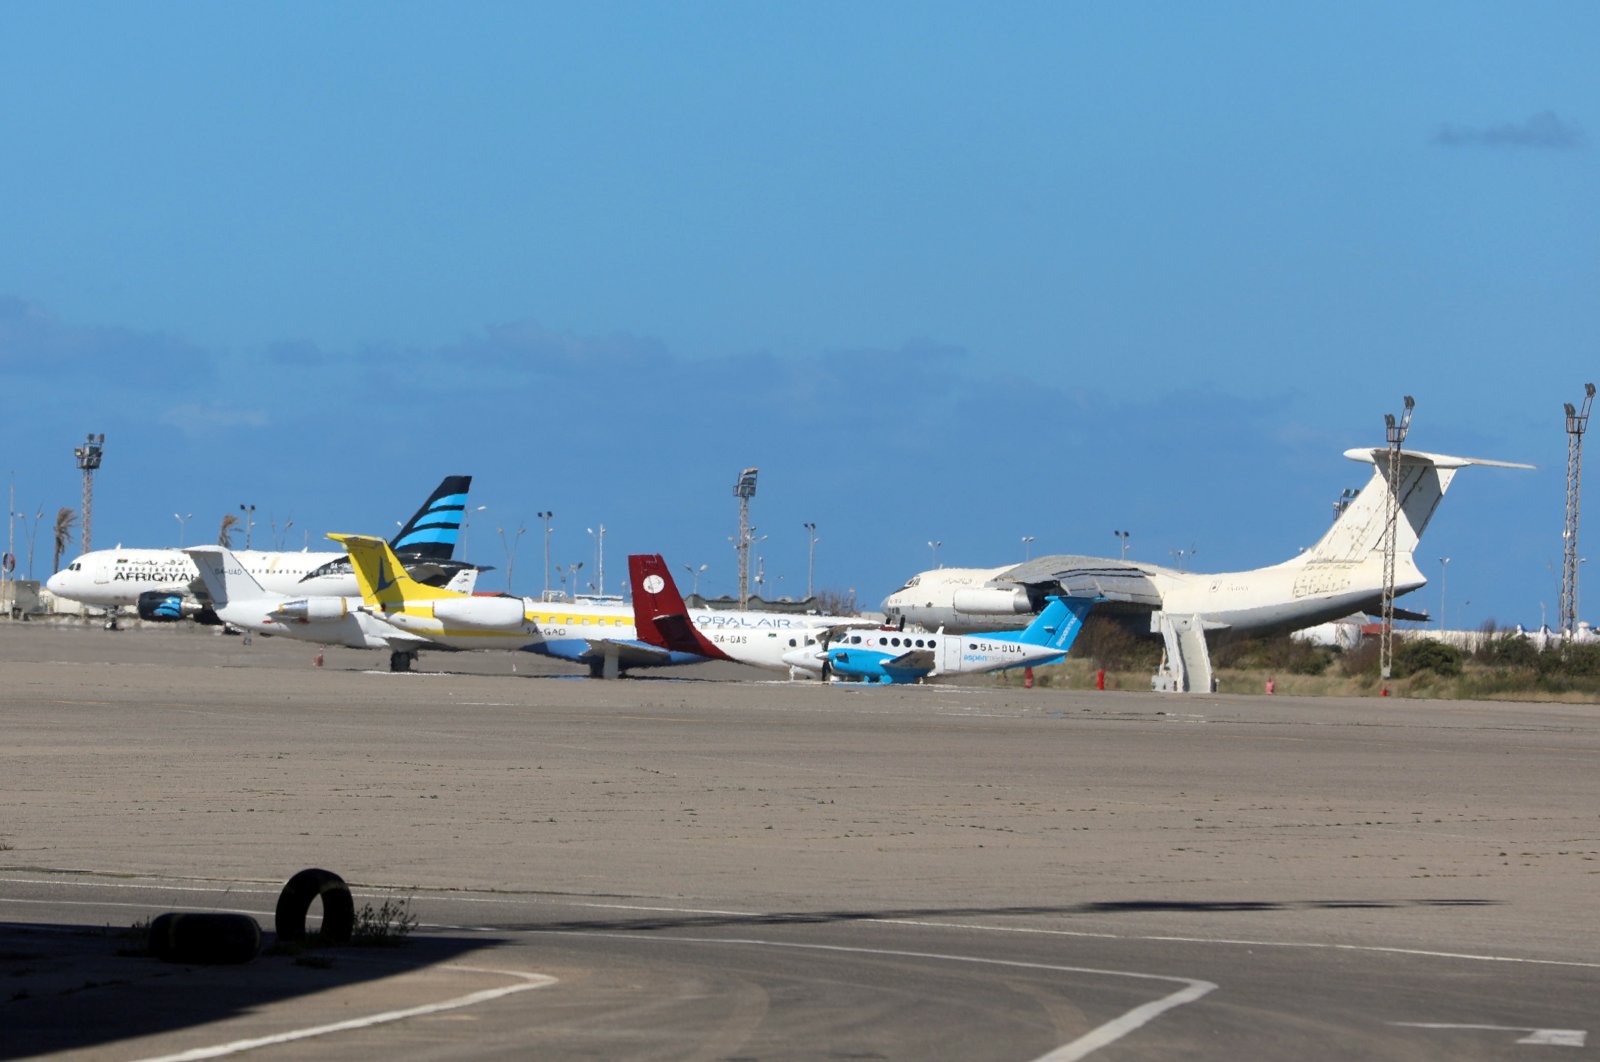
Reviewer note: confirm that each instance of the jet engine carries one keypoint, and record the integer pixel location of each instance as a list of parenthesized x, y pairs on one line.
[(161, 606), (484, 613), (313, 609), (993, 601)]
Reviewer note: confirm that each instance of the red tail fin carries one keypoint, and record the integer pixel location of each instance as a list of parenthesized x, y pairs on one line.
[(659, 615)]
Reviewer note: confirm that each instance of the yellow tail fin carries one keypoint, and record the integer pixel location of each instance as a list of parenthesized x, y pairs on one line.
[(383, 579)]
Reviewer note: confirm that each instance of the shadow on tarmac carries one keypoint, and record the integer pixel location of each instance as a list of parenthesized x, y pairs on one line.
[(70, 987), (782, 918)]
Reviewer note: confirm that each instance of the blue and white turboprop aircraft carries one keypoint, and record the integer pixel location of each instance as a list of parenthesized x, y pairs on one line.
[(896, 656)]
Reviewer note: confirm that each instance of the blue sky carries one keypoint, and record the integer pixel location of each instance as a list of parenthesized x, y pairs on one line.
[(953, 272)]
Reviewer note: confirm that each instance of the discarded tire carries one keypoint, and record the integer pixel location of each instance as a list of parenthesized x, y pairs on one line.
[(338, 908), (205, 937)]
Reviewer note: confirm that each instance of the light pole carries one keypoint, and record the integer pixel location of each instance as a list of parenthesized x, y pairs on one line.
[(545, 516), (570, 571), (811, 555), (695, 574), (249, 521), (182, 523), (599, 558), (1027, 547), (1179, 554), (511, 551), (1444, 574), (1395, 434), (464, 516), (934, 544), (89, 456), (1123, 535), (744, 490)]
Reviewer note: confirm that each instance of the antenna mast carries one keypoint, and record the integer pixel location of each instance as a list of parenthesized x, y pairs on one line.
[(89, 461), (1577, 422), (1395, 432)]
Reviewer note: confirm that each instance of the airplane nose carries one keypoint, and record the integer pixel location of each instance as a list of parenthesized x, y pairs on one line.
[(55, 582)]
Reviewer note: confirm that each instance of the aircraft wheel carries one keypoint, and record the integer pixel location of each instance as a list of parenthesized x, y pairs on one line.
[(401, 661), (338, 907)]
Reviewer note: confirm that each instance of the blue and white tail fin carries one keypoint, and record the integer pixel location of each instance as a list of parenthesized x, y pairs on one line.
[(1057, 627), (432, 533), (225, 579)]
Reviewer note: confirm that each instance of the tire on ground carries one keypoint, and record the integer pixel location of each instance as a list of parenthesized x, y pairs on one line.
[(205, 937), (338, 907)]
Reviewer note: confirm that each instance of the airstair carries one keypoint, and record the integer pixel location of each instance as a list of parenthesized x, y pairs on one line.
[(1186, 663)]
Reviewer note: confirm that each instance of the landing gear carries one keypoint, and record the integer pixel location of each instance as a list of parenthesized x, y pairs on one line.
[(401, 660), (111, 620)]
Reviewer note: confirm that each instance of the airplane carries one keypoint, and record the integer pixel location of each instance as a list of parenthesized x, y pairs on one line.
[(600, 636), (893, 655), (241, 602), (1342, 574), (164, 584), (761, 639)]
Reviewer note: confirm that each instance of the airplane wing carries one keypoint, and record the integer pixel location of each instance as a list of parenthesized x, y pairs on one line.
[(1074, 576), (916, 660), (629, 654)]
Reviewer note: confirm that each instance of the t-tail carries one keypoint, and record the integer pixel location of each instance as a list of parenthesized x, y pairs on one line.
[(432, 533), (225, 579), (1359, 531), (383, 579), (659, 614), (1057, 627)]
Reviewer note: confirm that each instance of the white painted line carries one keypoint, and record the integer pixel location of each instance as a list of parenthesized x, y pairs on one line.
[(1082, 1047), (1310, 945), (529, 981), (1542, 1037)]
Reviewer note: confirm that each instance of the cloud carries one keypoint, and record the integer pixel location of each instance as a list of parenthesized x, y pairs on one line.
[(34, 343), (195, 419), (1543, 130)]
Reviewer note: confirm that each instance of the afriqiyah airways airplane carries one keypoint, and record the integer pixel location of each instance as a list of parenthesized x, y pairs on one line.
[(601, 636), (1342, 574), (164, 584), (761, 639)]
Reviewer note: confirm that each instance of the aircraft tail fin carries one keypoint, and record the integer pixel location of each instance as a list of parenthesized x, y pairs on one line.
[(1057, 626), (226, 580), (432, 532), (1423, 480), (659, 614), (381, 576)]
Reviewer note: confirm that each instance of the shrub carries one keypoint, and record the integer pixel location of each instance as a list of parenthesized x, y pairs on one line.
[(1414, 655)]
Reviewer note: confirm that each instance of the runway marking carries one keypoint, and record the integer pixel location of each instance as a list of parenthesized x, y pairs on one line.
[(1423, 953), (529, 981), (1544, 1037), (1082, 1047)]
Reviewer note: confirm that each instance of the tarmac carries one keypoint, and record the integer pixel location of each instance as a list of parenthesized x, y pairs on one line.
[(710, 863)]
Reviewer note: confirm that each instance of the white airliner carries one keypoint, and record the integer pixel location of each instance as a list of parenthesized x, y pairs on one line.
[(164, 585), (761, 639), (241, 602), (1342, 574), (600, 636)]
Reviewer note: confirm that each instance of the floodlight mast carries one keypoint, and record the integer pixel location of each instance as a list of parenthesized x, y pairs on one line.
[(89, 457), (1395, 431), (1577, 423), (744, 490)]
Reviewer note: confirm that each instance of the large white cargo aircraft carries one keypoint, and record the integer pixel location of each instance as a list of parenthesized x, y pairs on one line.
[(1342, 574), (164, 584)]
